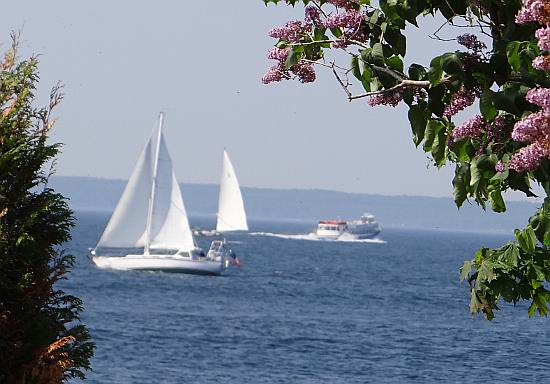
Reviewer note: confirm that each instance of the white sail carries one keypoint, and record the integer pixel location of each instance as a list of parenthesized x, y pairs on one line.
[(231, 213), (150, 212), (169, 225)]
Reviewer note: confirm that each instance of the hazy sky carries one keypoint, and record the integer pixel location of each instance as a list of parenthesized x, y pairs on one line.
[(201, 62)]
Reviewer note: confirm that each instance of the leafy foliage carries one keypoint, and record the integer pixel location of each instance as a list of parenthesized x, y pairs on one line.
[(41, 340), (504, 147)]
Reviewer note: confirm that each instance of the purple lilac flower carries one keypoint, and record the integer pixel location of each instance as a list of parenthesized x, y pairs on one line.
[(386, 98), (541, 63), (291, 31), (543, 35), (498, 130), (350, 19), (533, 127), (276, 73), (500, 166), (278, 54), (341, 3), (470, 128), (471, 42), (528, 158), (312, 14), (461, 99), (304, 71), (534, 10), (540, 97)]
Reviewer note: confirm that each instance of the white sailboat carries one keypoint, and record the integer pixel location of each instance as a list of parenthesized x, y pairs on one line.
[(151, 214), (231, 215)]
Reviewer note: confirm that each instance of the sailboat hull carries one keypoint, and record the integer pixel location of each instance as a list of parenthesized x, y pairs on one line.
[(164, 263)]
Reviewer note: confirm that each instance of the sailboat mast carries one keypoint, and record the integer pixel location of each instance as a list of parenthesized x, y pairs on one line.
[(153, 187)]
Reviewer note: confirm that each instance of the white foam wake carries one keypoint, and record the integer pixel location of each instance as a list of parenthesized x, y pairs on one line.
[(314, 237)]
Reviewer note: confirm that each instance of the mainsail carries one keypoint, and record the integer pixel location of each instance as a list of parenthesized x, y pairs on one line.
[(231, 213), (150, 212)]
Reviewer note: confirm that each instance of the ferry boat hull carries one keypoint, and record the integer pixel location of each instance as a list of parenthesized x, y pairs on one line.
[(364, 228)]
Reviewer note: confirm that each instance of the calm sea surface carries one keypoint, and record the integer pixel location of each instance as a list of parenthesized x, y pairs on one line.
[(302, 311)]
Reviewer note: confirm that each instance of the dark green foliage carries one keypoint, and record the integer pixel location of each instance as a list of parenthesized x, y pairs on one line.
[(41, 340)]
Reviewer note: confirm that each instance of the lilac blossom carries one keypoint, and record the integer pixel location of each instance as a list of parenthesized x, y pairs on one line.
[(531, 128), (541, 63), (534, 10), (540, 97), (292, 31), (472, 127), (386, 98), (346, 4), (528, 158), (304, 71), (543, 35), (498, 130), (500, 166), (350, 19), (276, 73), (460, 100), (312, 14), (278, 54), (471, 42)]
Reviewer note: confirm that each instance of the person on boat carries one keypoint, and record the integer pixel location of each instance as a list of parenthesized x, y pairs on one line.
[(233, 259)]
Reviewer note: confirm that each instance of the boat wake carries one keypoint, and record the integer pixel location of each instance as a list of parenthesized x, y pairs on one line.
[(314, 237)]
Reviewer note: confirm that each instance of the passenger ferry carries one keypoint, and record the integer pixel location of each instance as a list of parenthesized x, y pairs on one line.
[(364, 228)]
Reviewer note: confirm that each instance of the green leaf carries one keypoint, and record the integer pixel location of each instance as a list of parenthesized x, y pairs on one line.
[(398, 42), (486, 106), (418, 117), (395, 63), (435, 99), (337, 32), (374, 17), (497, 202), (431, 131), (366, 77), (530, 238), (512, 55), (475, 304), (460, 181), (417, 72), (355, 67), (377, 55), (451, 63), (525, 240), (486, 272), (475, 171), (435, 72), (510, 256), (500, 176), (466, 269), (438, 147), (292, 58)]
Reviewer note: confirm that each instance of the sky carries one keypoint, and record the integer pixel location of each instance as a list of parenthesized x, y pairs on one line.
[(201, 63)]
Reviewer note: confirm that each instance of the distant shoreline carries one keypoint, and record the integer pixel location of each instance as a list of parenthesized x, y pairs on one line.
[(303, 205)]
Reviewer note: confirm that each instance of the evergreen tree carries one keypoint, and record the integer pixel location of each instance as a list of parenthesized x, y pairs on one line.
[(41, 339)]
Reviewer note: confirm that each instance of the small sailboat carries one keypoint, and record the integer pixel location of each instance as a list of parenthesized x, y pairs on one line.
[(151, 214), (231, 215)]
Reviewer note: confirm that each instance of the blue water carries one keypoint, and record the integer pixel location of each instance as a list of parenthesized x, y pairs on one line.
[(303, 311)]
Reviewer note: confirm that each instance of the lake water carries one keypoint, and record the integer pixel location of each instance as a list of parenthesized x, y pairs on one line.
[(301, 311)]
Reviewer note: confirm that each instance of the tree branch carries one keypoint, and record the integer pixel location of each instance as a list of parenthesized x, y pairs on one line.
[(403, 84)]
